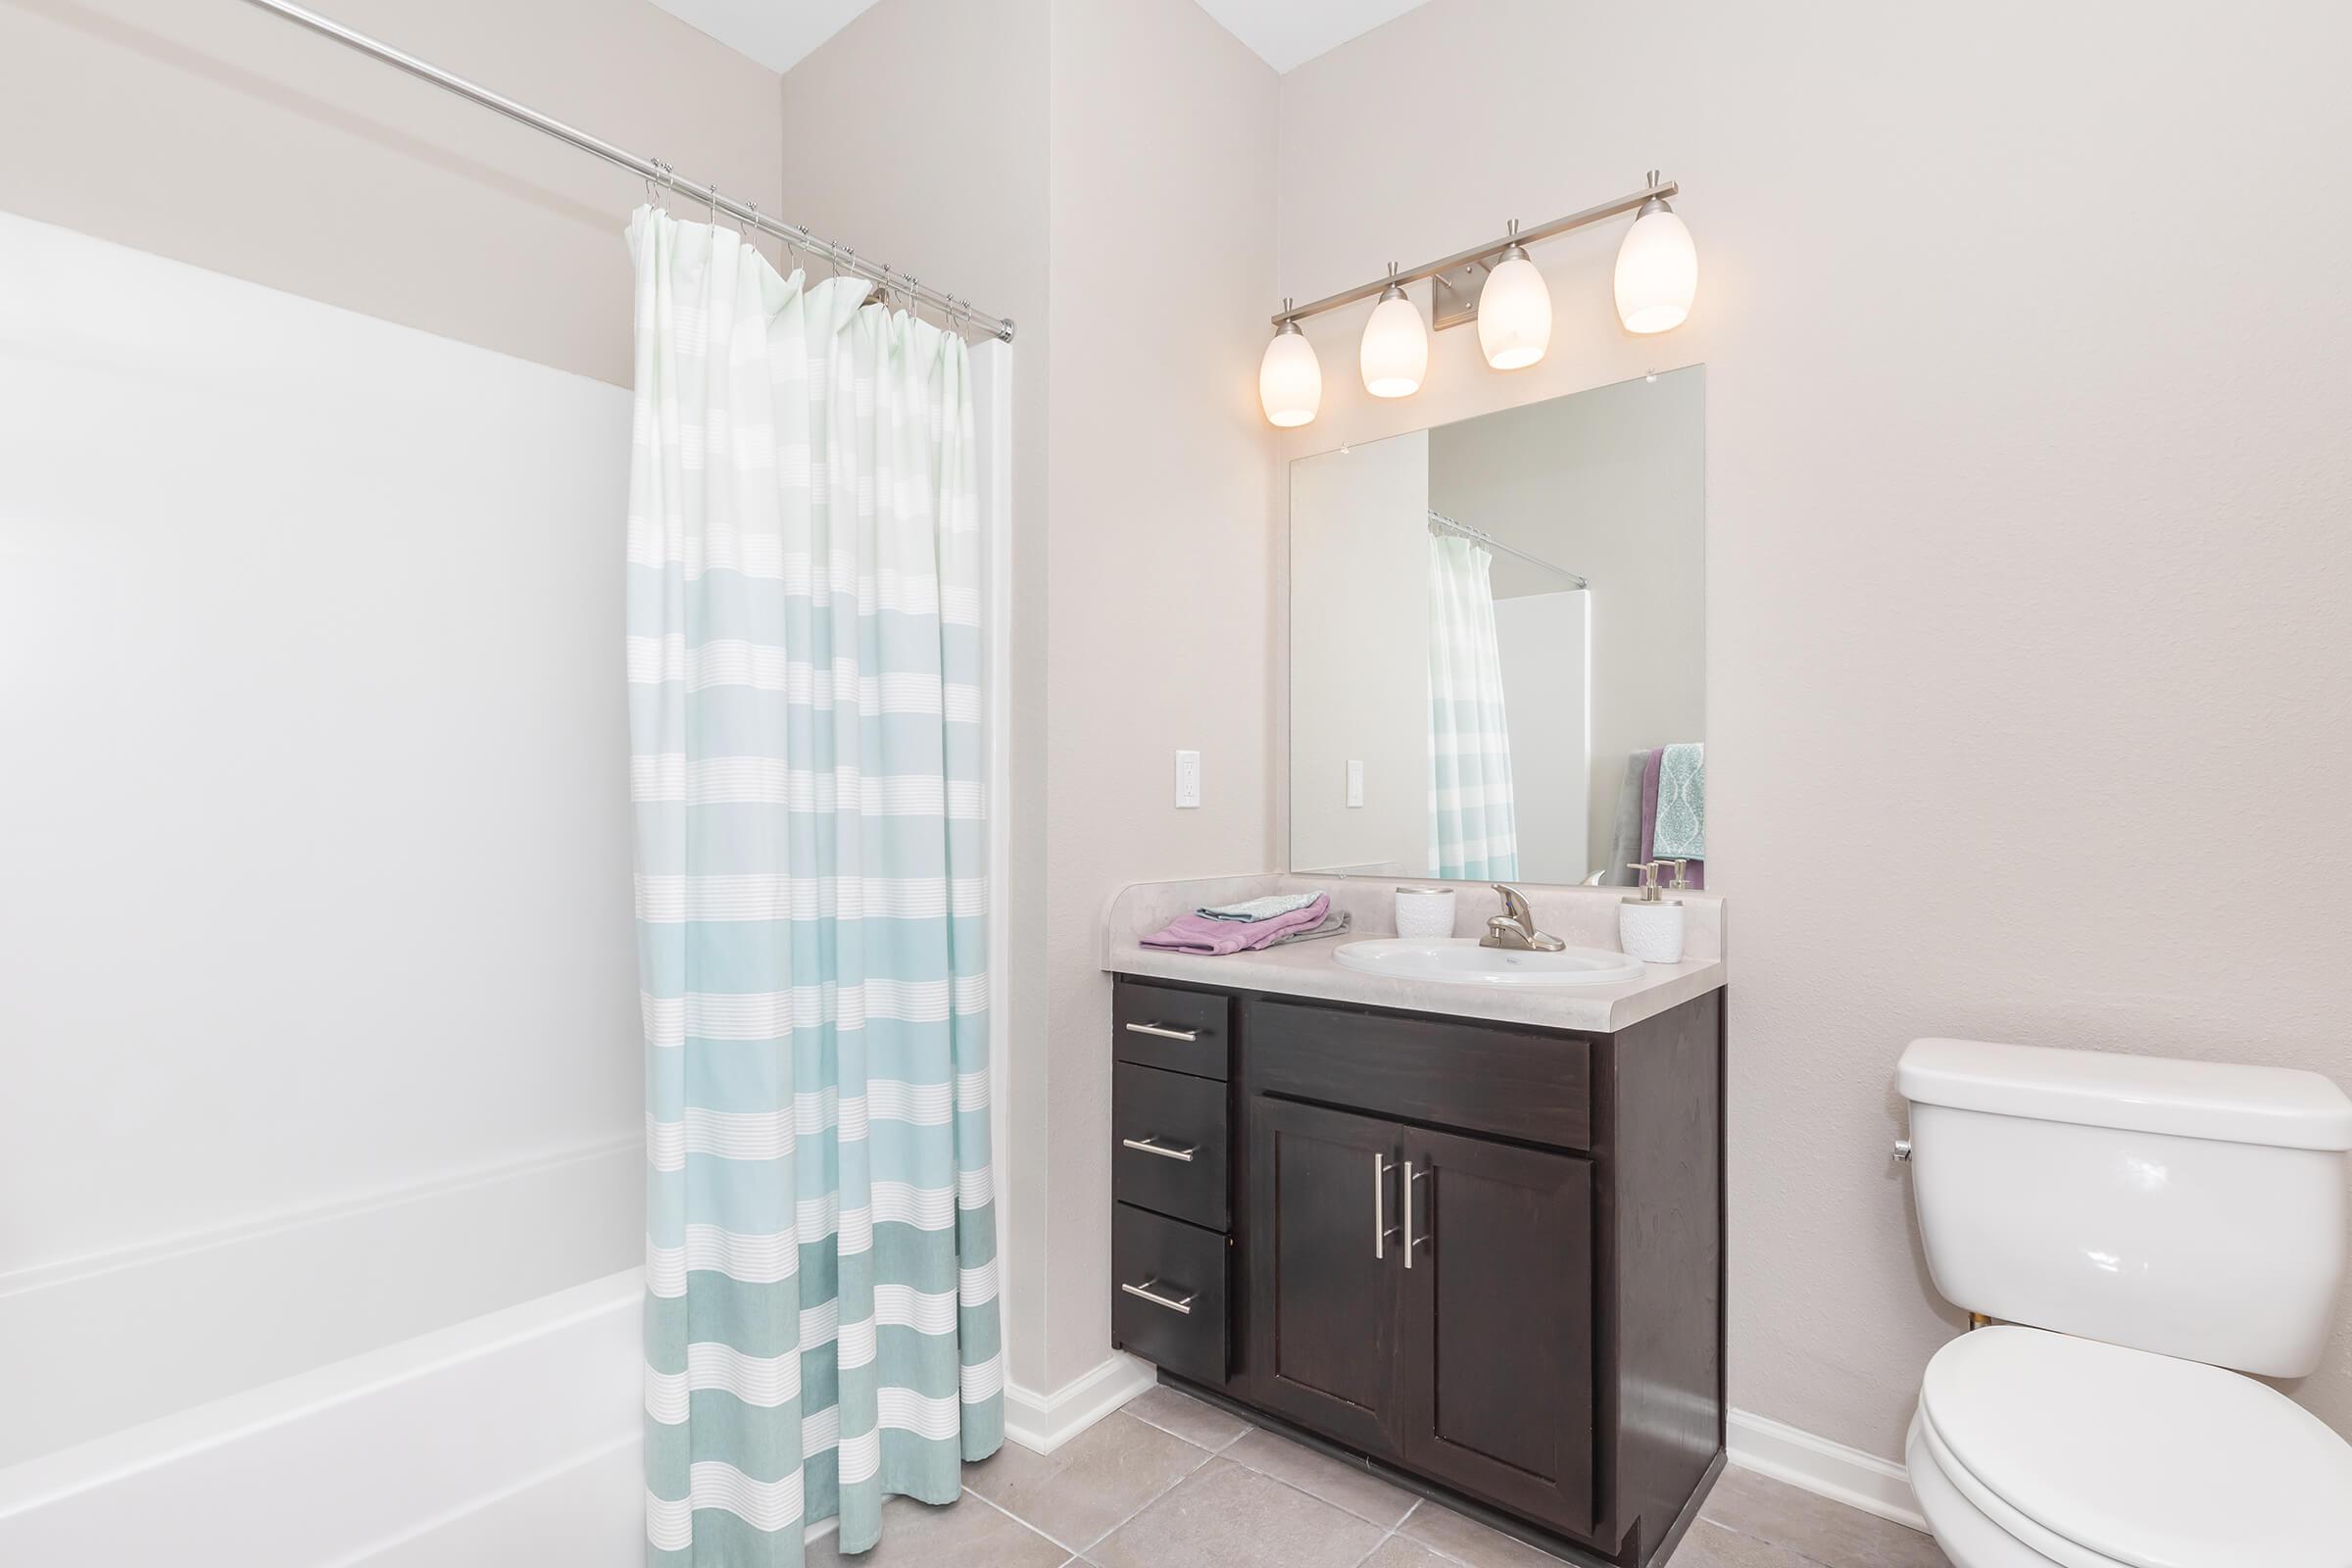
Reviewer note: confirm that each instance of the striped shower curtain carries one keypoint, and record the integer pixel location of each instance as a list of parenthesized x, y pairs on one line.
[(1473, 832), (804, 658)]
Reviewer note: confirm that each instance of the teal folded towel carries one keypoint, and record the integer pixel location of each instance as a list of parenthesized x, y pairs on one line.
[(1681, 830), (1252, 910)]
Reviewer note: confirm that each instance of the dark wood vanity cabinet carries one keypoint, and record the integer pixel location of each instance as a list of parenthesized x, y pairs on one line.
[(1487, 1258)]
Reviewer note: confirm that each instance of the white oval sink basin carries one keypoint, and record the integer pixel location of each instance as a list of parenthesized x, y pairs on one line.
[(1461, 962)]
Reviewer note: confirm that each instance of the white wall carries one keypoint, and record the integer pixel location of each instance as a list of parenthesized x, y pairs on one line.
[(1358, 655), (2025, 330), (316, 833), (1541, 638)]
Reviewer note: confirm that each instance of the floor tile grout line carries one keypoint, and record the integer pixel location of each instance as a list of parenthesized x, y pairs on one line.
[(1189, 1471), (1027, 1525), (1247, 1429)]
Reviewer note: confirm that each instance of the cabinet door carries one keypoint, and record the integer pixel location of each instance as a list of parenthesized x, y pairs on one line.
[(1496, 1368), (1323, 1276)]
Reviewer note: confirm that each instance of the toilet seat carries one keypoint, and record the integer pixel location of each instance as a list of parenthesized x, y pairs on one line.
[(2095, 1454)]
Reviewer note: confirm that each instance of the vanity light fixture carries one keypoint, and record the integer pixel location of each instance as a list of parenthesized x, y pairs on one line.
[(1658, 269), (1290, 378), (1395, 353), (1500, 288), (1514, 310)]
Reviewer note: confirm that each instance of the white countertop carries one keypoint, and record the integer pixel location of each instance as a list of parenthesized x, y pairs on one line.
[(1584, 916)]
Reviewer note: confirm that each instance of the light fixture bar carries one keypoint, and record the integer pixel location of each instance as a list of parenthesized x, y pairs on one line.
[(1525, 236), (841, 257)]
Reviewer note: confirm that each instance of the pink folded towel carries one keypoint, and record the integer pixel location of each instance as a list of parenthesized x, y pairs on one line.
[(1197, 933)]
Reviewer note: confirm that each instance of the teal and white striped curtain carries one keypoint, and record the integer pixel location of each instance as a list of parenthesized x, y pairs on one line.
[(1472, 830), (804, 665)]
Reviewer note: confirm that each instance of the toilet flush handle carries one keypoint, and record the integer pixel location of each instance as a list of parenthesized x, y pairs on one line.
[(1902, 1150)]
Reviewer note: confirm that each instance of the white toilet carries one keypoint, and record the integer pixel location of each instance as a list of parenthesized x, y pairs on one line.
[(2154, 1222)]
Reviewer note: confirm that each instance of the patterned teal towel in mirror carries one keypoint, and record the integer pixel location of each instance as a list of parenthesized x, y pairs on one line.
[(1682, 832)]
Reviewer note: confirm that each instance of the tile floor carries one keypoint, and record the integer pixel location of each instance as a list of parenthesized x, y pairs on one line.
[(1171, 1483)]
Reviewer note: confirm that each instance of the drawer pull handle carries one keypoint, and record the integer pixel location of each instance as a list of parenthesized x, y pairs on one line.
[(1164, 1031), (1153, 1146), (1183, 1307), (1382, 1230), (1410, 1240)]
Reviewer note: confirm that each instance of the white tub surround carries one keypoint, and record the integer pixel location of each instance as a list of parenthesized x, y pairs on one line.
[(1583, 918), (369, 1460)]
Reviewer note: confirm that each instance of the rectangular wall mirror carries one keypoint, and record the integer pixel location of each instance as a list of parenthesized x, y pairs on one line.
[(1497, 643)]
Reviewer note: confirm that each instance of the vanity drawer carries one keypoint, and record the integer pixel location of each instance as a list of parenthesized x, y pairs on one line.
[(1487, 1079), (1167, 1301), (1160, 1026), (1168, 1144)]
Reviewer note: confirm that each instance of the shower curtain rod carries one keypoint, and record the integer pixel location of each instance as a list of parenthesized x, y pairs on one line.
[(651, 169), (1445, 524)]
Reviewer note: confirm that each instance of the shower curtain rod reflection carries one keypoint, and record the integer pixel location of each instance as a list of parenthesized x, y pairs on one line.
[(951, 310), (1445, 524)]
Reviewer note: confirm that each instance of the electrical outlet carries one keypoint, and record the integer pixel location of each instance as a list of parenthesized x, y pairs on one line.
[(1355, 782), (1188, 779)]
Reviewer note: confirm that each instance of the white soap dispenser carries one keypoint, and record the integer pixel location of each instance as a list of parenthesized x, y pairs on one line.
[(1649, 927)]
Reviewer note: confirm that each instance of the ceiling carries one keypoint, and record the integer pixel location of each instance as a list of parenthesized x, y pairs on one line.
[(1290, 32), (781, 33)]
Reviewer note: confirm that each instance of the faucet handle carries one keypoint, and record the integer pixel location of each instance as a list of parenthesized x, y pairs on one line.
[(1514, 903)]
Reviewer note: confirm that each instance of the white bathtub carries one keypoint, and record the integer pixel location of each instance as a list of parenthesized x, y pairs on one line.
[(446, 1375)]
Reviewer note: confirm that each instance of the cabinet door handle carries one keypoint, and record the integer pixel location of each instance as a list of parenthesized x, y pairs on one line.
[(1164, 1031), (1410, 1240), (1181, 1306), (1382, 1230), (1153, 1146)]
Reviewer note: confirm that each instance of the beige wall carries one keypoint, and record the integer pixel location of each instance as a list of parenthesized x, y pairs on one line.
[(1123, 153), (1160, 629), (2027, 486), (1358, 658), (1610, 484), (222, 137)]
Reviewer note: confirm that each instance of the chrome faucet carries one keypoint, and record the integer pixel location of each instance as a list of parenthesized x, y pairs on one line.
[(1515, 927)]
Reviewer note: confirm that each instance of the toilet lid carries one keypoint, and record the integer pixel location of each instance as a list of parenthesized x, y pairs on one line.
[(2142, 1459)]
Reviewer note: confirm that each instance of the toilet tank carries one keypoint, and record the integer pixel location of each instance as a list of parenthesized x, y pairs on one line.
[(2191, 1208)]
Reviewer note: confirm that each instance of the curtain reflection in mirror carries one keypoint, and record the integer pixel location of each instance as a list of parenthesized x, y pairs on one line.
[(1472, 831)]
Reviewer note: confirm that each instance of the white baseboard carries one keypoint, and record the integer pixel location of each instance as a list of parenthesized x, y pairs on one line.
[(1044, 1422), (1827, 1469)]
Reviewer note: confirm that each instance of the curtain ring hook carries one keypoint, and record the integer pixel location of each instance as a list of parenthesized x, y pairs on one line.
[(914, 296), (711, 199), (753, 223)]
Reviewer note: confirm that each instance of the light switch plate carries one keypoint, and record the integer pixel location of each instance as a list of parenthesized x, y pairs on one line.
[(1188, 779), (1355, 782)]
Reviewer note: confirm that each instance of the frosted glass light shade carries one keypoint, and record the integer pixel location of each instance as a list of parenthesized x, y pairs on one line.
[(1395, 355), (1290, 378), (1514, 314), (1657, 271)]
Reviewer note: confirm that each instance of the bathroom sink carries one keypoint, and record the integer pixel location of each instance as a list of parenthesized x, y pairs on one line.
[(1461, 962)]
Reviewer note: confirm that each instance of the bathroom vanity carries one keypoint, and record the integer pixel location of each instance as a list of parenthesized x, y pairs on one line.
[(1481, 1249)]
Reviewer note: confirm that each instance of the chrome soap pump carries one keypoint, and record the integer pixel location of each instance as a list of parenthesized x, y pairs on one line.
[(1650, 926)]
